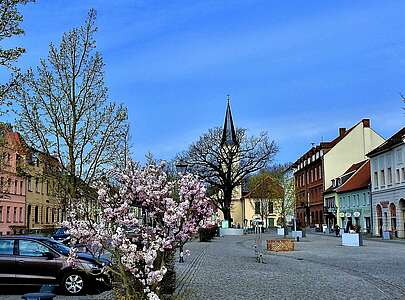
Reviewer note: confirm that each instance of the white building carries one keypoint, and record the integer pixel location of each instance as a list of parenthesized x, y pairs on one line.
[(388, 186)]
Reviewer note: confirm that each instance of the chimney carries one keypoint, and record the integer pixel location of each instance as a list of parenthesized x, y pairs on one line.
[(366, 123), (342, 131)]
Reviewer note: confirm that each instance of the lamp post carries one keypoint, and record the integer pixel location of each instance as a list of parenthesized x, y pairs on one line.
[(181, 167)]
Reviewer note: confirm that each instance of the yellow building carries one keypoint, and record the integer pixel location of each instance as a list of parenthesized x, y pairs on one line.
[(43, 208)]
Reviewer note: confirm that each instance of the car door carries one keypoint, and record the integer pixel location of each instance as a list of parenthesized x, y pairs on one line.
[(33, 265), (7, 261)]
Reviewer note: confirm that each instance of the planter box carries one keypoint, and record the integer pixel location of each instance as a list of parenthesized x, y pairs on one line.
[(296, 234), (280, 245), (352, 239), (280, 231), (230, 231), (386, 235)]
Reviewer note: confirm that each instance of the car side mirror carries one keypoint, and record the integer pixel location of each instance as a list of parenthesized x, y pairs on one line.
[(48, 255)]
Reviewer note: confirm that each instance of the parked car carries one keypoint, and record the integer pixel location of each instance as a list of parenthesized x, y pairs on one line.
[(34, 260), (61, 235)]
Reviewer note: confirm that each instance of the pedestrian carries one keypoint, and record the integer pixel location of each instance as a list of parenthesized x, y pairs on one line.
[(337, 230)]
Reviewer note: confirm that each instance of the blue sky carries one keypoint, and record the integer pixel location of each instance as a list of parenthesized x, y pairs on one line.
[(297, 69)]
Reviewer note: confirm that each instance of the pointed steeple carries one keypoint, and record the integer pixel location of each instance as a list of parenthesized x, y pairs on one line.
[(229, 133)]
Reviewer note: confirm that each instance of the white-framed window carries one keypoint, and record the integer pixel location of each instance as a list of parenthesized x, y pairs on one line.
[(382, 176), (399, 156), (376, 180), (389, 170)]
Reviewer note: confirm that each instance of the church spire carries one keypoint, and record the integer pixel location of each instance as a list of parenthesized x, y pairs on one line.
[(229, 133)]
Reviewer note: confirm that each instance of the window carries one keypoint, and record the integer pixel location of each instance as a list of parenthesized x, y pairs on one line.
[(47, 215), (403, 174), (399, 156), (47, 187), (364, 199), (37, 185), (270, 207), (32, 248), (6, 247), (358, 200), (21, 187), (257, 208), (15, 187), (21, 215), (29, 184), (1, 214), (376, 180), (36, 215), (389, 176), (8, 214), (382, 178), (9, 185), (398, 176), (15, 215)]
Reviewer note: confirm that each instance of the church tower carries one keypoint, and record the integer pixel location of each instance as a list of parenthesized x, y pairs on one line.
[(230, 147), (229, 133)]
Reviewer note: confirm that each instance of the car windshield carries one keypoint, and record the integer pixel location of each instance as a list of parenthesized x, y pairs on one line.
[(59, 247)]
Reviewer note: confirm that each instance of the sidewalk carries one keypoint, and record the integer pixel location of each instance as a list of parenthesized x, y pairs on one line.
[(375, 239)]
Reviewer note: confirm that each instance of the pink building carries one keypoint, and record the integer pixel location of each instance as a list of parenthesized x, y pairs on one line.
[(12, 186)]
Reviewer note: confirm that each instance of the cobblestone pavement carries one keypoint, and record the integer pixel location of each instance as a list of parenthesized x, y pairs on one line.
[(320, 268)]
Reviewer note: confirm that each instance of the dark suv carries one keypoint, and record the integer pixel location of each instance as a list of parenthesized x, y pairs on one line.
[(32, 260)]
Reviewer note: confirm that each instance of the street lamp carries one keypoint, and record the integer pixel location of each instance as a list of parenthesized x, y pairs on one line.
[(181, 168)]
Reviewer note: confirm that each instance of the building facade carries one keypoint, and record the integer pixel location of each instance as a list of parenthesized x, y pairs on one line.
[(315, 171), (388, 186), (12, 185), (44, 211), (351, 198)]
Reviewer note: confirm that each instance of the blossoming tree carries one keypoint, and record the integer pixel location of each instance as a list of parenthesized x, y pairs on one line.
[(172, 212)]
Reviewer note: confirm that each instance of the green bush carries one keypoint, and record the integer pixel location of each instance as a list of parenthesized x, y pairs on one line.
[(208, 233)]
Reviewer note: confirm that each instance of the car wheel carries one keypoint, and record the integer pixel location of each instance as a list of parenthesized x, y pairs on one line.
[(73, 283)]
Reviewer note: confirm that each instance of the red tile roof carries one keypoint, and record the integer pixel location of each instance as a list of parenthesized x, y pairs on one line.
[(359, 180)]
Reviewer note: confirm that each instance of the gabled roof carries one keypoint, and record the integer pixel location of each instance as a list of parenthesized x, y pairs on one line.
[(346, 176), (229, 133), (359, 180), (392, 142), (326, 146)]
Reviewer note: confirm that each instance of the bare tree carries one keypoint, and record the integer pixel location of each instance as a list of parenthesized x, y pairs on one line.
[(10, 20), (224, 165), (64, 110)]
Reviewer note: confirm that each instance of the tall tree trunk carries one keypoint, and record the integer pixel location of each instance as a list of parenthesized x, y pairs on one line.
[(227, 205)]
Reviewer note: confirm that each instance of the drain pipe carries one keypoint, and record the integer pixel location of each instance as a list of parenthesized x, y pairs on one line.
[(371, 210)]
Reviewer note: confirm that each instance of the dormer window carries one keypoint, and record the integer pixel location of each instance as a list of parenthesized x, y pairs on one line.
[(333, 182)]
